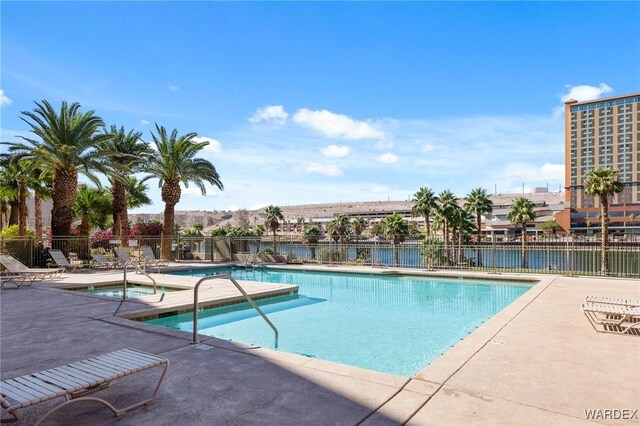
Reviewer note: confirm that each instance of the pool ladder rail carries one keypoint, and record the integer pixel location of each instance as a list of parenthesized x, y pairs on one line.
[(138, 270), (244, 293)]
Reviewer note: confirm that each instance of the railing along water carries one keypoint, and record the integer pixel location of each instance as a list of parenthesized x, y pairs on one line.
[(244, 293)]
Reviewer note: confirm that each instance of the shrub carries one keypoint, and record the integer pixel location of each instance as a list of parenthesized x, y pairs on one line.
[(432, 252), (333, 255), (11, 232), (145, 229)]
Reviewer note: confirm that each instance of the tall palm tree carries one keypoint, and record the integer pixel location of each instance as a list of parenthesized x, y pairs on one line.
[(424, 202), (130, 152), (40, 184), (272, 221), (311, 236), (461, 225), (604, 183), (397, 229), (67, 141), (136, 193), (446, 204), (521, 211), (173, 162), (341, 224), (478, 203), (358, 224)]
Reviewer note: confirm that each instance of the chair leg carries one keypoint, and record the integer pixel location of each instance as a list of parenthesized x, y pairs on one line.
[(73, 401)]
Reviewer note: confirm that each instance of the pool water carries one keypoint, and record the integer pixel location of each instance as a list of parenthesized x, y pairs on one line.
[(133, 290), (393, 324)]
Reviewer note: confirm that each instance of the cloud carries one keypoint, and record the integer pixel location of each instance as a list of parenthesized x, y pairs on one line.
[(144, 122), (383, 144), (334, 125), (214, 146), (325, 169), (270, 115), (580, 93), (336, 151), (387, 158), (194, 191), (427, 147), (173, 88), (379, 189), (4, 99)]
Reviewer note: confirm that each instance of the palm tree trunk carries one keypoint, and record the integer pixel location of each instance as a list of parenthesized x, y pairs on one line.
[(604, 217), (445, 231), (14, 213), (124, 224), (167, 231), (37, 207), (22, 210), (118, 201), (83, 241), (65, 188), (524, 245)]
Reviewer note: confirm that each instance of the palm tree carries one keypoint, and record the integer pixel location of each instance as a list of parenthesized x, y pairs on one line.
[(424, 202), (311, 236), (40, 184), (604, 183), (478, 203), (272, 221), (68, 142), (446, 204), (358, 224), (92, 208), (130, 152), (397, 230), (521, 211), (174, 162), (341, 224), (136, 193), (9, 189), (461, 225)]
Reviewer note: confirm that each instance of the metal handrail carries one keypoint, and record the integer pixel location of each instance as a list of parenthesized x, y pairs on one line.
[(143, 271), (244, 293), (124, 281)]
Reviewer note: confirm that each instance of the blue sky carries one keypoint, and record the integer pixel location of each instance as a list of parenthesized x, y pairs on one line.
[(323, 102)]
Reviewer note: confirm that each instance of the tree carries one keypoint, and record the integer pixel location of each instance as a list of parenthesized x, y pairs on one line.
[(340, 226), (397, 229), (68, 142), (311, 236), (358, 224), (424, 202), (130, 152), (478, 203), (174, 162), (272, 221), (446, 204), (521, 212), (604, 183), (92, 208), (461, 225)]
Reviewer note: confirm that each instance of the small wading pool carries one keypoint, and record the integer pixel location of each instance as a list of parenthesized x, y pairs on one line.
[(394, 324), (115, 290)]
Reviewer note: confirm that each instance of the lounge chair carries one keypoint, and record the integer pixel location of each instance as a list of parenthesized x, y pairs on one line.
[(612, 301), (73, 381), (103, 261), (15, 267), (617, 319), (123, 256), (17, 280), (60, 260), (151, 259)]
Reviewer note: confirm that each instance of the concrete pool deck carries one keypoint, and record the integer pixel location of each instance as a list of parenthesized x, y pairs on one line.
[(536, 362)]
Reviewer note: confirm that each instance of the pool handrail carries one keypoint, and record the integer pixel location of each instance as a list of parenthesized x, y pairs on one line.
[(138, 270), (244, 293)]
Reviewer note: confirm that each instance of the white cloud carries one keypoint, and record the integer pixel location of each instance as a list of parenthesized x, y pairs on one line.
[(144, 122), (194, 191), (214, 146), (427, 147), (271, 115), (173, 88), (580, 93), (4, 99), (585, 92), (387, 158), (325, 169), (336, 151), (334, 125), (380, 189), (383, 144)]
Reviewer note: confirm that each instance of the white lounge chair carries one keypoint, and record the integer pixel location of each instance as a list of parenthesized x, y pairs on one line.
[(15, 267), (60, 260), (123, 256), (17, 280), (151, 259), (73, 381), (612, 301), (613, 318)]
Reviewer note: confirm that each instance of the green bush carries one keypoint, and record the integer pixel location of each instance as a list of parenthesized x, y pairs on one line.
[(11, 232), (432, 252), (332, 255)]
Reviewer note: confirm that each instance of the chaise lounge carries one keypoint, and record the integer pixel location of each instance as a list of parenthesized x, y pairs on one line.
[(15, 267), (612, 318), (61, 261), (73, 381)]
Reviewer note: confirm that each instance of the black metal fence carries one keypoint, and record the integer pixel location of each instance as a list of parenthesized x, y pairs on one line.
[(564, 255)]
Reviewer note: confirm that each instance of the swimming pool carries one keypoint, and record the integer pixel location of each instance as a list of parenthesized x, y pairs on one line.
[(133, 290), (393, 324)]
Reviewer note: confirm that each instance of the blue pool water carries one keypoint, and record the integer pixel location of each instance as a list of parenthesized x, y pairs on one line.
[(393, 324)]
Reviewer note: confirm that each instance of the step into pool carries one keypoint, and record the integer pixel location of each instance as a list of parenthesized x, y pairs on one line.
[(393, 324), (133, 290)]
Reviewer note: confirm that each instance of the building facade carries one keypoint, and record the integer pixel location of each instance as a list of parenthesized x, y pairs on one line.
[(602, 133)]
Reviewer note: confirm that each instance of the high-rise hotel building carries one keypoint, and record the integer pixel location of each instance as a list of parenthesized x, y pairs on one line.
[(602, 133)]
